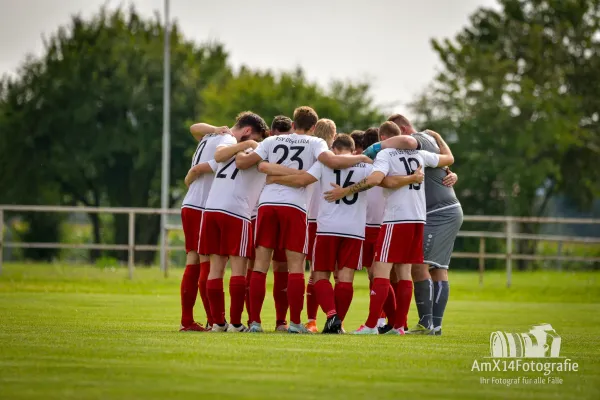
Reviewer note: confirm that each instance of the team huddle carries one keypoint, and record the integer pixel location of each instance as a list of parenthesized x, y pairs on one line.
[(300, 191)]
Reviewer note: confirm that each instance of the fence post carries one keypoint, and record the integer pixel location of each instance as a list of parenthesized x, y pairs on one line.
[(165, 244), (509, 250), (481, 259), (559, 253), (131, 243), (1, 237)]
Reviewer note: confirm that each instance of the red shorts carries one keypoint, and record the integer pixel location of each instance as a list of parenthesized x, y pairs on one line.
[(281, 227), (400, 244), (225, 235), (312, 235), (191, 219), (371, 235), (278, 254), (330, 251)]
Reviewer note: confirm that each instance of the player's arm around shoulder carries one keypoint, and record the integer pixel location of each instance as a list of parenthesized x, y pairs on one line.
[(445, 157), (333, 161), (197, 171), (367, 183), (246, 160), (302, 179), (224, 153), (398, 181), (401, 142), (200, 129)]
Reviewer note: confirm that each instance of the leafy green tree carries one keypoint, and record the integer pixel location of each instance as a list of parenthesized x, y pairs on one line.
[(518, 93), (349, 105), (85, 119)]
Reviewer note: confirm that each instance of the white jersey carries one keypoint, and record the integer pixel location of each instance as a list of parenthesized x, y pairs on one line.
[(375, 206), (406, 204), (347, 216), (314, 190), (205, 152), (235, 192), (292, 151)]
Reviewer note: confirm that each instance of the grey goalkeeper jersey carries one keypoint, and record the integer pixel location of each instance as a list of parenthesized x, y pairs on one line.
[(437, 195)]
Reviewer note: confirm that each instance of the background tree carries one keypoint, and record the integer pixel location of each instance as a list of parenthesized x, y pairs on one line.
[(82, 124), (518, 90)]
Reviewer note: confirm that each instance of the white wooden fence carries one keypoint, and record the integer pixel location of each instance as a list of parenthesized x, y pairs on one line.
[(509, 234)]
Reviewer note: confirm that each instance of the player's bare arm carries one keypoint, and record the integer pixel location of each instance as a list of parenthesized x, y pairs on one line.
[(396, 182), (224, 153), (402, 142), (277, 169), (370, 181), (446, 157), (200, 129), (196, 171), (342, 161), (244, 161), (450, 179), (302, 179)]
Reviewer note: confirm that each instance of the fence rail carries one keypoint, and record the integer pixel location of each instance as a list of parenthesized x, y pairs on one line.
[(508, 234)]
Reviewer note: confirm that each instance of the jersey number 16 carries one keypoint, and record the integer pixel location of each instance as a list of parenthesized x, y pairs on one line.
[(347, 182)]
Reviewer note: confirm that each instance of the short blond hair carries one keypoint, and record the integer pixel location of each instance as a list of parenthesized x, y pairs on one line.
[(325, 129), (389, 129)]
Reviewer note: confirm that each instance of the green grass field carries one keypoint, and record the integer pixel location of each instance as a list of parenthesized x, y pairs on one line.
[(89, 333)]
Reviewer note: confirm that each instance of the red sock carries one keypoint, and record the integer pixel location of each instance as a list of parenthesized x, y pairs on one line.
[(217, 300), (247, 297), (258, 288), (312, 305), (404, 292), (280, 296), (343, 297), (296, 296), (204, 271), (188, 292), (325, 297), (237, 292), (389, 307), (379, 293)]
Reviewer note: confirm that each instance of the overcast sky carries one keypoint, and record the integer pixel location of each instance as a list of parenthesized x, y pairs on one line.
[(386, 41)]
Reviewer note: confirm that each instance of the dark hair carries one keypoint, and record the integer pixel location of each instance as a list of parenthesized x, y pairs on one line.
[(357, 136), (399, 120), (248, 118), (305, 118), (281, 123), (370, 137), (389, 129), (343, 142)]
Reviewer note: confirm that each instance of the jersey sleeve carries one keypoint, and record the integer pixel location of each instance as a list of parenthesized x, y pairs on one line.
[(213, 165), (382, 163), (316, 170), (263, 149), (227, 140), (319, 146), (426, 142), (430, 159)]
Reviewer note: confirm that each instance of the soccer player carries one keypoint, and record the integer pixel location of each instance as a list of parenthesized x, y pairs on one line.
[(400, 241), (444, 219), (281, 221), (281, 125), (226, 229), (199, 180), (325, 129), (358, 136), (340, 232)]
